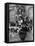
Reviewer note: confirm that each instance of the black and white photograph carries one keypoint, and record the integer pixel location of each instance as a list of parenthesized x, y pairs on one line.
[(19, 22)]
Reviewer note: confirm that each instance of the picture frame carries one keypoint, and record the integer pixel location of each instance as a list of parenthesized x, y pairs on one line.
[(7, 13)]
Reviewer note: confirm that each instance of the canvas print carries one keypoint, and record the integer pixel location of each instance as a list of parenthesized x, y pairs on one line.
[(20, 22)]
